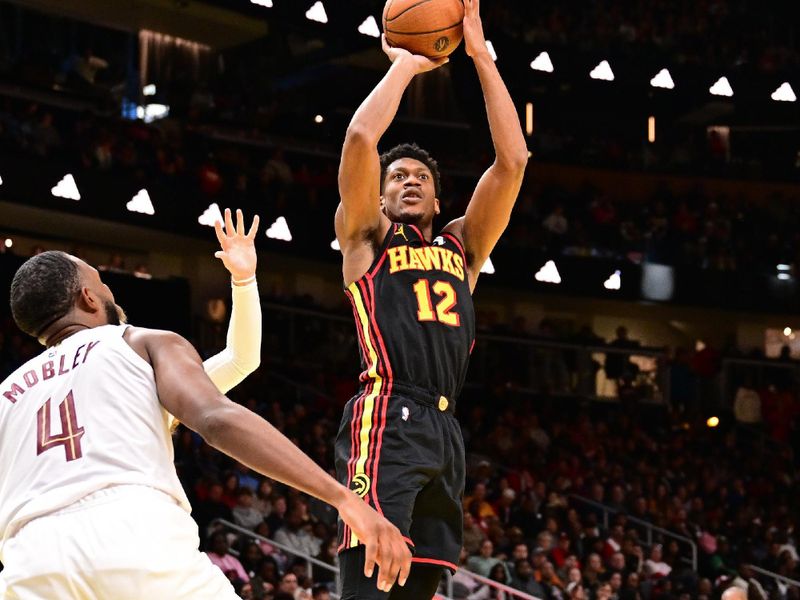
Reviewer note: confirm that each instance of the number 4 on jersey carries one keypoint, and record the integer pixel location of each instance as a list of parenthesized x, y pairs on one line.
[(70, 435)]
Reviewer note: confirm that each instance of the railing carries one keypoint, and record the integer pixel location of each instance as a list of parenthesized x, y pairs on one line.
[(312, 562), (532, 365), (777, 578), (757, 373), (569, 368), (508, 591), (315, 562), (649, 528)]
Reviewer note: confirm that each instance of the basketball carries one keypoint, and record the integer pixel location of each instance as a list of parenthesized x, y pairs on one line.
[(432, 28)]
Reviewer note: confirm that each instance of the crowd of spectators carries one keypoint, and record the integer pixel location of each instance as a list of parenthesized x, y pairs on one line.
[(692, 229), (680, 30), (729, 490)]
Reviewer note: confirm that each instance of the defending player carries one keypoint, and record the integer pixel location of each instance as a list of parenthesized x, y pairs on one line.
[(400, 447), (90, 504)]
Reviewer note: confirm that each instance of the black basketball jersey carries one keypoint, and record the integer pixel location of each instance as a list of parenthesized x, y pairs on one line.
[(414, 314)]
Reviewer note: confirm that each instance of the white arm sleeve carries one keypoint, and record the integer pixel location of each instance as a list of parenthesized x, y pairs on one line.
[(242, 354)]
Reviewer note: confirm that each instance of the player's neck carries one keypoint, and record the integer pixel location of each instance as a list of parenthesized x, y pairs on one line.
[(61, 333), (425, 230)]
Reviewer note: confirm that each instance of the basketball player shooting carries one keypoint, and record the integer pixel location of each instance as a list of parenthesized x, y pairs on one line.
[(90, 503), (400, 446)]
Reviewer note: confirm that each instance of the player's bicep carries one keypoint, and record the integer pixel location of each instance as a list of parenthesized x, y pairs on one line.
[(359, 186), (489, 211), (183, 387)]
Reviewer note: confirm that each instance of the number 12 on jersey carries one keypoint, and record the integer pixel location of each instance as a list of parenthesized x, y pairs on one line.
[(70, 434), (443, 314)]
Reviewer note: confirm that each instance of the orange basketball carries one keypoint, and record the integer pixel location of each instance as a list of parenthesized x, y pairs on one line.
[(432, 28)]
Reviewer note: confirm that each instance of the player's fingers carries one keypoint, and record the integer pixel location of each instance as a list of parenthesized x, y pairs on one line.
[(229, 230), (219, 254), (253, 228), (405, 567), (371, 555), (385, 44), (239, 222), (220, 233)]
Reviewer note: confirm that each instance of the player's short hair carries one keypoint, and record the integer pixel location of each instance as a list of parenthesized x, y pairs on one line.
[(417, 153), (43, 290)]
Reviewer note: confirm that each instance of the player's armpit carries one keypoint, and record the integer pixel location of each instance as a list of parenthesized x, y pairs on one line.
[(489, 211)]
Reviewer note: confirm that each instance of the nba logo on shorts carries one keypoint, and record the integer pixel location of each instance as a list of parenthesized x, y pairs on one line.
[(405, 413)]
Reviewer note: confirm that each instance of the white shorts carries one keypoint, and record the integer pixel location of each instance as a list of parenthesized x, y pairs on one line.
[(121, 543)]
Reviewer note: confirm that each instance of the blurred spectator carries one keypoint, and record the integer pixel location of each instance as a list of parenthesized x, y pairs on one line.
[(296, 533), (218, 553), (244, 513), (205, 511), (483, 563)]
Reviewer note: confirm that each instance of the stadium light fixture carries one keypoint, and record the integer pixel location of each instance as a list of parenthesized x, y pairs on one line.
[(712, 422), (8, 243), (66, 188), (1, 181), (335, 245), (492, 52), (787, 331), (784, 267), (784, 93), (663, 80), (651, 129), (317, 13), (542, 63), (488, 267), (370, 27), (279, 230), (602, 72), (721, 88), (784, 276), (152, 112), (149, 89), (548, 273), (264, 3), (319, 119), (614, 281), (141, 203), (210, 215)]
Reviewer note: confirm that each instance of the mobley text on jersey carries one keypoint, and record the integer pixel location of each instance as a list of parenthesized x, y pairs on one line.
[(48, 370)]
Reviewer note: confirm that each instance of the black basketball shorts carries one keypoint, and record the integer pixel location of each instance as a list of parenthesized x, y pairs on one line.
[(404, 454)]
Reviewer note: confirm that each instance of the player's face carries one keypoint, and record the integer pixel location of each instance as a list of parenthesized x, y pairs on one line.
[(409, 193), (91, 280)]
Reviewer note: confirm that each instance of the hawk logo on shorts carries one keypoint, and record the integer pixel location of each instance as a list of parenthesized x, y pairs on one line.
[(360, 485), (441, 44)]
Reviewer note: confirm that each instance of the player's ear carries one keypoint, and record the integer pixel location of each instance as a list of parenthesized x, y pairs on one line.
[(436, 209), (88, 300), (383, 204)]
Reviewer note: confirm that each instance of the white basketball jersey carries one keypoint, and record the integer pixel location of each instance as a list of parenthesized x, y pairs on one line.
[(81, 416)]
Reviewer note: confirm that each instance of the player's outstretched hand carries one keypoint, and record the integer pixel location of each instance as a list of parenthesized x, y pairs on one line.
[(422, 64), (385, 546), (474, 40), (238, 252)]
